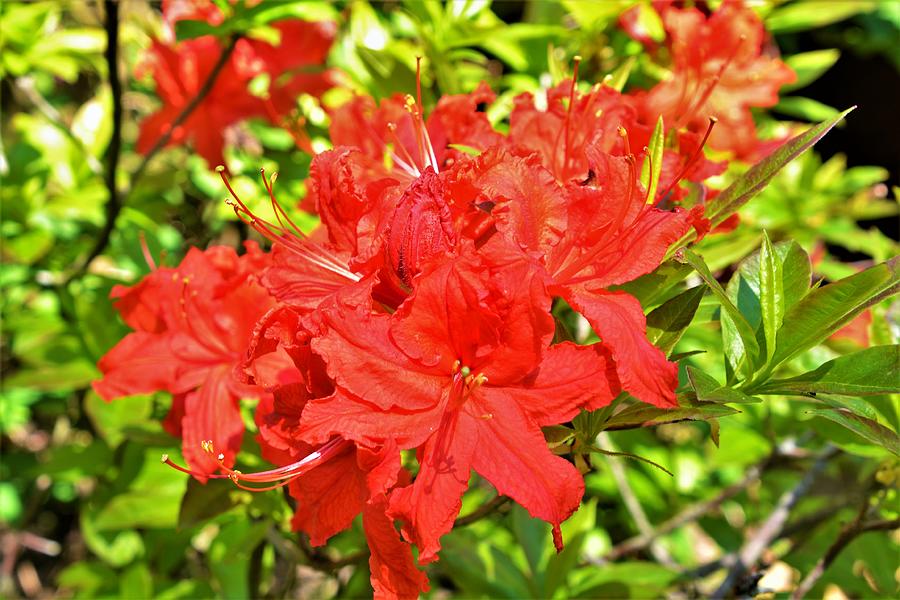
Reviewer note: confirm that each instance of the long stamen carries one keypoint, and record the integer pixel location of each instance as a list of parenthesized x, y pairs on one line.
[(298, 243), (571, 107), (692, 160), (392, 132), (701, 99), (145, 249), (207, 338), (426, 149), (409, 169), (279, 477)]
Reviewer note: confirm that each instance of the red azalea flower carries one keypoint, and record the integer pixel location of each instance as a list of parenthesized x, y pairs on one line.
[(181, 69), (192, 325), (463, 371), (397, 127), (588, 238), (352, 480), (719, 69)]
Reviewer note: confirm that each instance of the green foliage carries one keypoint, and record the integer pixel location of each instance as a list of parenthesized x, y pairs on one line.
[(751, 319)]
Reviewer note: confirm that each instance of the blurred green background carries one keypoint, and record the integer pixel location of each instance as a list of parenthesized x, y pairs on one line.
[(86, 507)]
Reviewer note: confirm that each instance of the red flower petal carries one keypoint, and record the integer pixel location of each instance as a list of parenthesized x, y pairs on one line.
[(570, 377), (430, 505), (393, 571), (513, 455), (211, 413), (619, 321)]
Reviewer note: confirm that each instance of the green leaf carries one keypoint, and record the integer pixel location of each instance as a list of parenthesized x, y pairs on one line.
[(188, 29), (771, 294), (624, 580), (868, 372), (10, 503), (652, 168), (263, 13), (666, 323), (807, 109), (813, 14), (746, 333), (111, 419), (828, 308), (744, 289), (617, 79), (136, 582), (754, 180), (864, 427), (644, 415), (471, 151), (116, 548), (229, 556), (649, 288), (809, 66), (88, 578), (202, 502), (710, 390), (151, 499)]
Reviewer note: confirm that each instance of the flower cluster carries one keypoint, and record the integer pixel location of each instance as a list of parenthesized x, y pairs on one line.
[(182, 69), (420, 315)]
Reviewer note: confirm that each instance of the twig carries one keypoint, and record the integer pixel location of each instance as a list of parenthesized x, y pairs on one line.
[(189, 108), (114, 202), (632, 504), (772, 527), (117, 200), (481, 512), (787, 449), (688, 515), (804, 525), (847, 535)]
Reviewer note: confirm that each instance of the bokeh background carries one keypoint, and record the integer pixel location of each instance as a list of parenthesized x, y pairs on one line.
[(86, 507)]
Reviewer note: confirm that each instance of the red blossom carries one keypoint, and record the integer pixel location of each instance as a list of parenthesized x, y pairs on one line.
[(355, 480), (721, 68), (192, 325), (463, 372), (181, 69)]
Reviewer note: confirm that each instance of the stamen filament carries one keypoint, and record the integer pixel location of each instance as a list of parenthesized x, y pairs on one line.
[(145, 249), (295, 241), (693, 158), (280, 476), (571, 107)]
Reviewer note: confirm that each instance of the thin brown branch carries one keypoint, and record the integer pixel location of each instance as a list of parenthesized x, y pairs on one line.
[(847, 535), (786, 450), (688, 515), (803, 525), (481, 512), (116, 200), (772, 527), (632, 504), (189, 108)]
